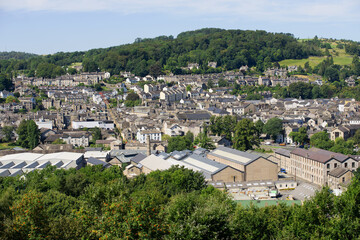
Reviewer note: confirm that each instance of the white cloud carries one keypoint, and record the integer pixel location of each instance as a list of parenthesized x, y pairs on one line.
[(297, 11)]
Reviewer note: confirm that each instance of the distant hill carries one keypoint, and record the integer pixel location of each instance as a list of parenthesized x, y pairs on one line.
[(230, 49), (16, 55)]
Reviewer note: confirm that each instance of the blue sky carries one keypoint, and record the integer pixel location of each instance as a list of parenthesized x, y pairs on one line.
[(49, 26)]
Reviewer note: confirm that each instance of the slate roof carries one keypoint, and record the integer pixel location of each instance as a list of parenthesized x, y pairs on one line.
[(94, 161), (199, 115), (138, 158), (283, 152), (338, 172), (319, 155)]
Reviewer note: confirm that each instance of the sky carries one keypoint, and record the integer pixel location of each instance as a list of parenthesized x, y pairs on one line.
[(50, 26)]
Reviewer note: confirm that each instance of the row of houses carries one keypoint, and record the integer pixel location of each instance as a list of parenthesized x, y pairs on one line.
[(87, 78), (318, 166)]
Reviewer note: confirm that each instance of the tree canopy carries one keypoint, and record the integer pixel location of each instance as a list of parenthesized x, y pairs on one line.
[(273, 127), (28, 134), (96, 203), (246, 135)]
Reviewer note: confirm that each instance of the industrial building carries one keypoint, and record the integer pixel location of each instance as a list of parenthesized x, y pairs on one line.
[(20, 163)]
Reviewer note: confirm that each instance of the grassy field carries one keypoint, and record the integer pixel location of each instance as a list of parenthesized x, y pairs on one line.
[(6, 146), (76, 64), (339, 56)]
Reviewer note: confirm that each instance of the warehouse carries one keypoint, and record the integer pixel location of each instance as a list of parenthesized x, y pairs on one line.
[(20, 163), (255, 167)]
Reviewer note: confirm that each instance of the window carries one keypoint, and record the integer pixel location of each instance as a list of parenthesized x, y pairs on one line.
[(353, 164), (345, 165), (335, 165), (328, 166), (343, 179)]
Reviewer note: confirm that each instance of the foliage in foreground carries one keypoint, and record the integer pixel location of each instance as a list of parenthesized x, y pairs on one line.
[(93, 203)]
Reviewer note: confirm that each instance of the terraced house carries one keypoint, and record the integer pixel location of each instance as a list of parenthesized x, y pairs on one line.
[(319, 166)]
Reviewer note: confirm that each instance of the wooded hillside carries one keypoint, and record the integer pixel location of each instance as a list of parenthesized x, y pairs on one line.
[(229, 48)]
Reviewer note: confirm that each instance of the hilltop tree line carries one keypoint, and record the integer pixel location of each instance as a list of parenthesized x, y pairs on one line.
[(229, 48), (96, 203)]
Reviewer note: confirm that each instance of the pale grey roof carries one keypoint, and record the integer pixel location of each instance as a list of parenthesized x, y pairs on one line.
[(234, 155), (153, 163), (207, 166), (16, 164)]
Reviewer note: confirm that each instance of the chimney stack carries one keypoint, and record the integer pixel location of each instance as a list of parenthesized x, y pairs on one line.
[(148, 145)]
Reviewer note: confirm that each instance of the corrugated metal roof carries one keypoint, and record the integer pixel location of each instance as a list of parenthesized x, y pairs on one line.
[(202, 163), (234, 155)]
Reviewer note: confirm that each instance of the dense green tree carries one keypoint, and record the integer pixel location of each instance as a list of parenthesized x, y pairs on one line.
[(98, 87), (331, 74), (300, 89), (190, 136), (132, 99), (202, 216), (273, 127), (259, 125), (155, 70), (49, 70), (321, 140), (202, 140), (210, 84), (342, 146), (28, 134), (301, 136), (132, 96), (90, 66), (245, 136), (222, 83), (7, 131), (96, 134), (71, 71), (356, 137), (33, 134), (22, 134), (5, 82), (11, 99), (179, 143)]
